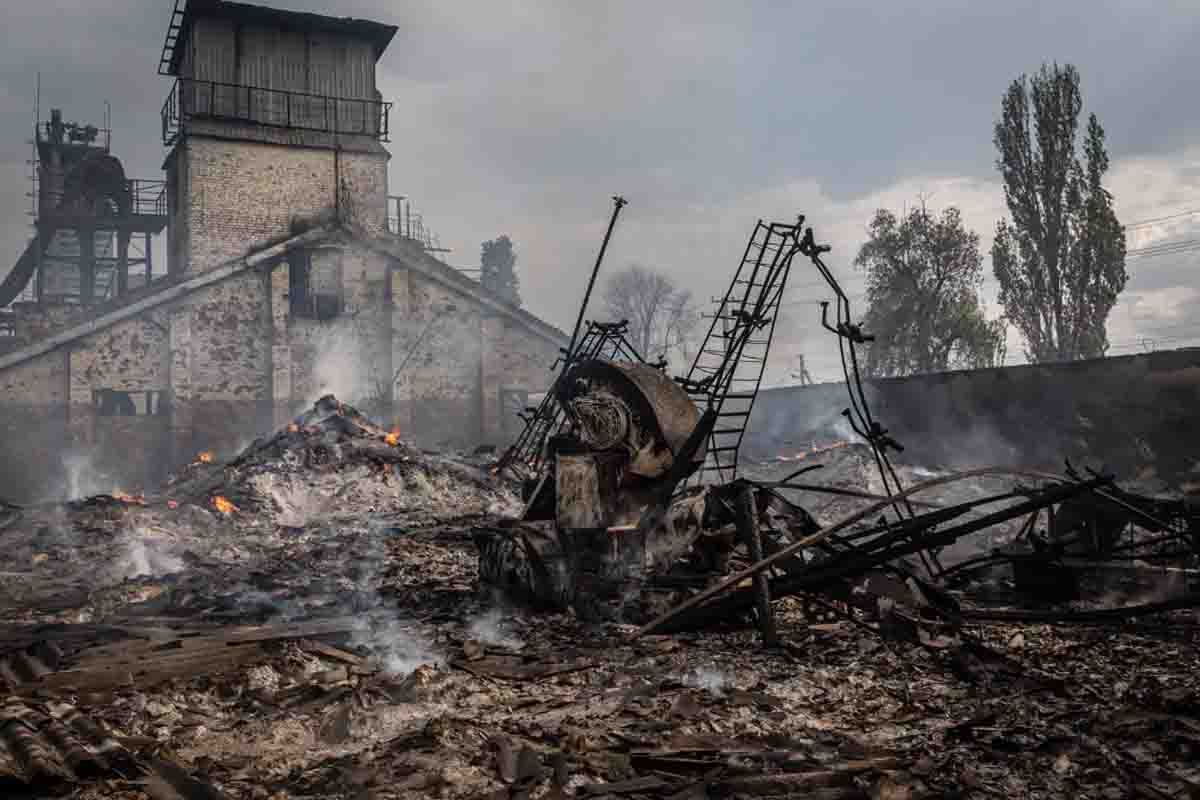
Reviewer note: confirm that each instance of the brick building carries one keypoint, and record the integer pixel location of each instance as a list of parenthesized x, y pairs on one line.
[(284, 277)]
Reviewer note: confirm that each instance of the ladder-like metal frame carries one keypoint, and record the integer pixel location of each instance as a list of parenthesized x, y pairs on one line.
[(728, 369), (172, 38), (601, 340)]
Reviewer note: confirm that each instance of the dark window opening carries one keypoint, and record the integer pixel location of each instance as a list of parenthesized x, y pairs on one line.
[(315, 283), (114, 403)]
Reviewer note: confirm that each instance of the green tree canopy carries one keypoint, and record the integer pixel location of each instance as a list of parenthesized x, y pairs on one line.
[(498, 269), (1061, 260), (923, 276)]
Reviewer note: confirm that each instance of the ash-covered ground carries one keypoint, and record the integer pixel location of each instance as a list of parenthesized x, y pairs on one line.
[(304, 621)]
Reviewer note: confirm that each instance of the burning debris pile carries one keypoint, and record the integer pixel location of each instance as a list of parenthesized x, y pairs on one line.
[(334, 460)]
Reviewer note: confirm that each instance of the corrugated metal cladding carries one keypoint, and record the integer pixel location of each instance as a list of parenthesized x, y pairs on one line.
[(214, 50), (321, 64), (273, 59)]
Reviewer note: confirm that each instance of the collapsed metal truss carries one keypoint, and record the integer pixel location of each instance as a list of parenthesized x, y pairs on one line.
[(1075, 512), (829, 560), (826, 559)]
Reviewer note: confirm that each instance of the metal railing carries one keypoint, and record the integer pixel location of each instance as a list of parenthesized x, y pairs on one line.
[(402, 221), (145, 197), (148, 197), (193, 99)]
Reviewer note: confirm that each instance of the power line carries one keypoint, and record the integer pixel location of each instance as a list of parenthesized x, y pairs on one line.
[(1164, 249), (1155, 220)]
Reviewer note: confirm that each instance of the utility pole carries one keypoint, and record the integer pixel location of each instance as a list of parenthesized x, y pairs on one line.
[(618, 203), (803, 374)]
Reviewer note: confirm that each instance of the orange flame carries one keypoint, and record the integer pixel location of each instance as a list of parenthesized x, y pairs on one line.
[(204, 458), (223, 505), (393, 437), (292, 427)]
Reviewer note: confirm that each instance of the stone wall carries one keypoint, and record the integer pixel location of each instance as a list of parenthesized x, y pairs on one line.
[(33, 322), (239, 194), (1134, 414), (33, 427), (230, 362), (348, 355), (515, 363), (131, 358), (220, 367), (454, 367)]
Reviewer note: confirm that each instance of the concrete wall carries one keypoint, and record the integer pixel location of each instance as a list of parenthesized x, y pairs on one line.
[(1135, 414)]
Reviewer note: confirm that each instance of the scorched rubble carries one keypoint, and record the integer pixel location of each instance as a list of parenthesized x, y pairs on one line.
[(328, 639)]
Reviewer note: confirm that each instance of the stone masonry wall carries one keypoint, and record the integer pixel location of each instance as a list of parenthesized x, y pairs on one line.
[(240, 194), (350, 355), (124, 451), (32, 427), (437, 355), (232, 363), (220, 367), (514, 360)]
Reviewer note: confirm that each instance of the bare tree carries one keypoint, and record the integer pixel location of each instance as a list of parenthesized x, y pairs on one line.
[(661, 315)]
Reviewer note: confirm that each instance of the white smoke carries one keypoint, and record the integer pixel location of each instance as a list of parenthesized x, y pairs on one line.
[(844, 432), (146, 555), (81, 478), (398, 650), (490, 628), (707, 678), (336, 367)]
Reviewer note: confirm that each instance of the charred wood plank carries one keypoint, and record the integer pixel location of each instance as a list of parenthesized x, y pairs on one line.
[(747, 523)]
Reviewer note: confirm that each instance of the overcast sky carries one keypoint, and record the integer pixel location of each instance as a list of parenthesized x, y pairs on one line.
[(525, 118)]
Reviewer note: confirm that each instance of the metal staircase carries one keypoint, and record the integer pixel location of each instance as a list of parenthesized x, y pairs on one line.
[(728, 369), (172, 38)]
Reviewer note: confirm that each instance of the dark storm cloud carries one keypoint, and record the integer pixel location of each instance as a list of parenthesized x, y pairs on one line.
[(524, 118)]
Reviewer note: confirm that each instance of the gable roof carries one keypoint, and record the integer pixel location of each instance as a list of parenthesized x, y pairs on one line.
[(416, 258), (172, 289)]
